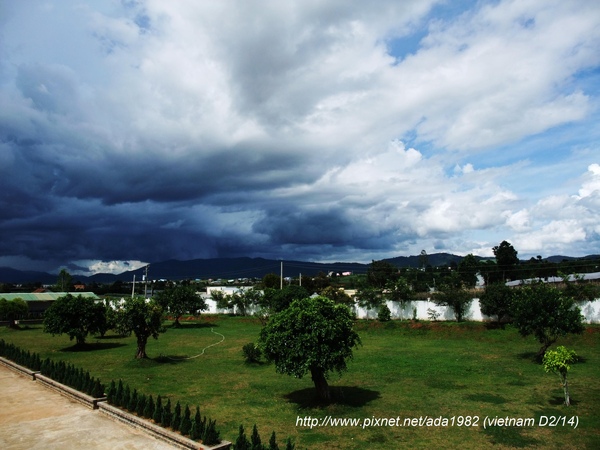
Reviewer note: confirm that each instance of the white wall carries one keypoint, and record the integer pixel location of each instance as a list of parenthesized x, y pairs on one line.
[(590, 310)]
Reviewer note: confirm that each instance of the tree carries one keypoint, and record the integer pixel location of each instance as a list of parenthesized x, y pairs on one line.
[(496, 300), (313, 335), (398, 291), (380, 273), (467, 270), (506, 259), (337, 295), (369, 297), (453, 295), (271, 281), (279, 299), (545, 312), (64, 281), (13, 310), (75, 316), (557, 361), (142, 318), (180, 300)]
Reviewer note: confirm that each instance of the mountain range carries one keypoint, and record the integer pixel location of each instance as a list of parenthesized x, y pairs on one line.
[(232, 268)]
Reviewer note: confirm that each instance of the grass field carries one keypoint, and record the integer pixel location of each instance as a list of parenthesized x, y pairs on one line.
[(403, 369)]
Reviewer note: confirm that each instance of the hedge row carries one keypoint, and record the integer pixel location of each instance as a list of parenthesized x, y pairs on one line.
[(197, 427), (255, 442), (64, 373)]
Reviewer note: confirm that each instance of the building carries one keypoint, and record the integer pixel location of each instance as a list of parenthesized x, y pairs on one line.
[(38, 302)]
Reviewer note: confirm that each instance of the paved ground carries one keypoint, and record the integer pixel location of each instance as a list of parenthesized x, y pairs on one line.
[(35, 417)]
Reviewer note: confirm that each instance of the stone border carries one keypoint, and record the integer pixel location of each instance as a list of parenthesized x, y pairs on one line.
[(19, 369), (156, 430), (67, 391)]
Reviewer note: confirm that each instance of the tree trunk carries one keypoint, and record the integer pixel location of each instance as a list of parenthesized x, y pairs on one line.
[(566, 388), (542, 351), (318, 377), (141, 348)]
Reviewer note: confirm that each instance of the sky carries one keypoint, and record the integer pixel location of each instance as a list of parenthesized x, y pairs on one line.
[(138, 131)]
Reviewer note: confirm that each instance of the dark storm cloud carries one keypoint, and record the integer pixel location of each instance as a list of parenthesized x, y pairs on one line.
[(148, 131)]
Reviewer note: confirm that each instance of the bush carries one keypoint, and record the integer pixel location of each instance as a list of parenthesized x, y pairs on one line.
[(251, 352), (384, 315)]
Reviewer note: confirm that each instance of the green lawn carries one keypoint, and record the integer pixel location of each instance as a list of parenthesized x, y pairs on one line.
[(403, 369)]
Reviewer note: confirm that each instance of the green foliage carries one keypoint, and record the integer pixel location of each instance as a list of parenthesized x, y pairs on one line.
[(313, 335), (289, 445), (273, 442), (467, 270), (280, 299), (558, 361), (255, 441), (167, 415), (180, 300), (64, 282), (144, 319), (141, 404), (149, 408), (185, 426), (506, 261), (132, 404), (211, 435), (384, 315), (455, 297), (75, 316), (369, 297), (176, 419), (381, 273), (397, 291), (271, 281), (337, 295), (13, 310), (242, 442), (497, 300), (546, 313), (158, 410), (252, 353)]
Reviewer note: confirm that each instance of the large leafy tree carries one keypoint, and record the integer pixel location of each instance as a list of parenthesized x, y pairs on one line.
[(546, 313), (13, 310), (76, 316), (180, 300), (313, 335), (144, 319)]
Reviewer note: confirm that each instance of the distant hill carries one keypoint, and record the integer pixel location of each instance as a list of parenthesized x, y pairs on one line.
[(8, 275), (232, 268), (434, 260)]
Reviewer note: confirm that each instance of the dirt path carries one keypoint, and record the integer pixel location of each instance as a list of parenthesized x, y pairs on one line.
[(35, 417)]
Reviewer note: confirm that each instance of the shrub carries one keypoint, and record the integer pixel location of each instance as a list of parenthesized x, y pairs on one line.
[(251, 352), (384, 315), (158, 410), (148, 412), (186, 421)]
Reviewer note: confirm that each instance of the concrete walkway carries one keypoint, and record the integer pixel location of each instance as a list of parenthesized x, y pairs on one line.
[(35, 417)]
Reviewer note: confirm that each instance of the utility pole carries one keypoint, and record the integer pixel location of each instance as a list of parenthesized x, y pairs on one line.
[(133, 287), (281, 277), (300, 279), (146, 282)]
